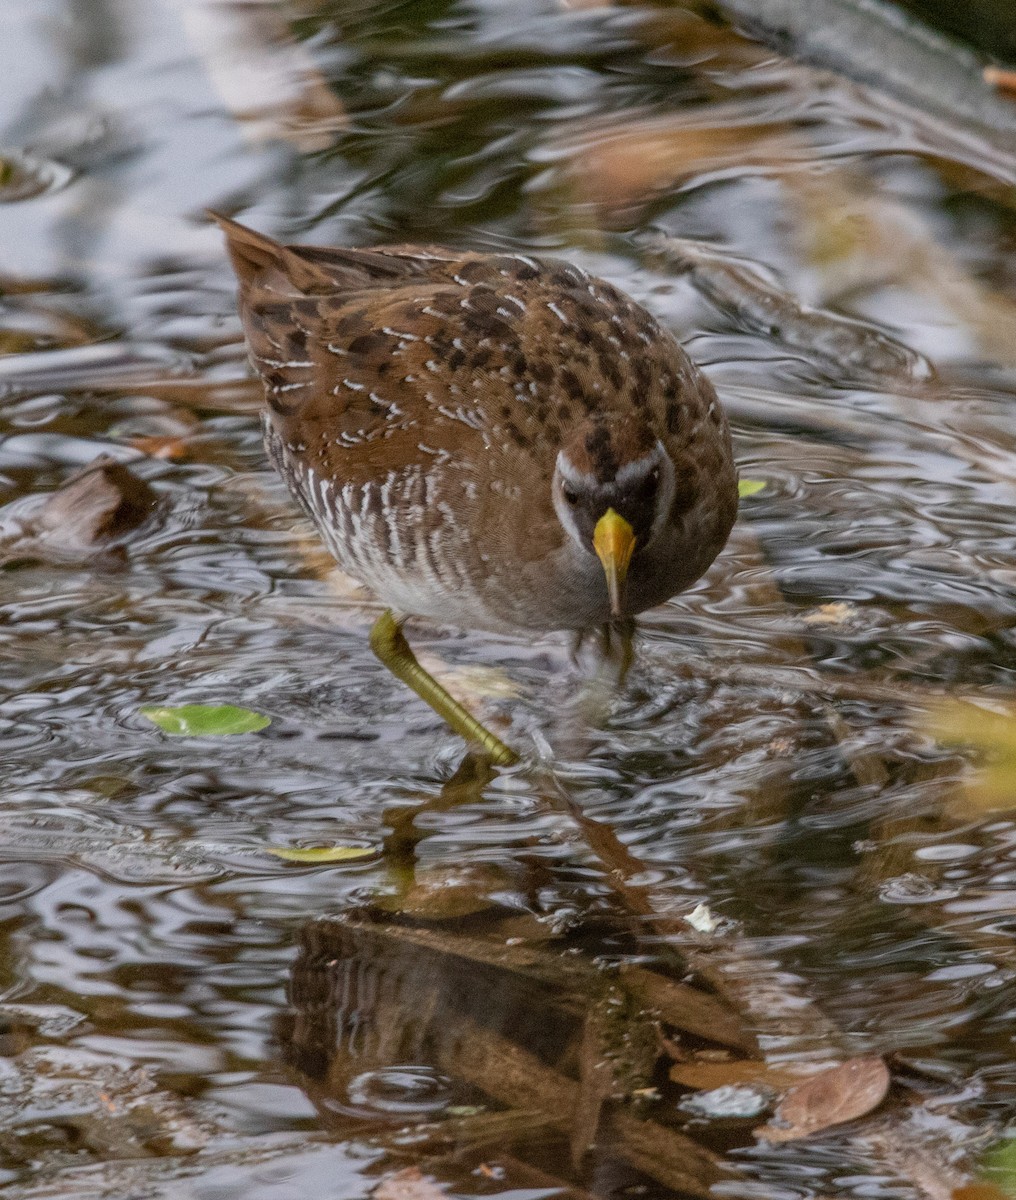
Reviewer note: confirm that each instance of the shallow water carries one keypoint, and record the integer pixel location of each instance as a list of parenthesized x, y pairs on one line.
[(841, 267)]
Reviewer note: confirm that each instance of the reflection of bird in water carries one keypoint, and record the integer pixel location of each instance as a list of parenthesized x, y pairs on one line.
[(493, 441), (431, 1041), (366, 997)]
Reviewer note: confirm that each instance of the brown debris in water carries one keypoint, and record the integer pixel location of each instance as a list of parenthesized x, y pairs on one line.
[(408, 1184), (832, 1097), (93, 512)]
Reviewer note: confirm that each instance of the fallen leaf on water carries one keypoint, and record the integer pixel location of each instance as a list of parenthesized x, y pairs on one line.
[(205, 720), (408, 1184), (829, 1098), (92, 512), (321, 854), (23, 176), (104, 501), (750, 487)]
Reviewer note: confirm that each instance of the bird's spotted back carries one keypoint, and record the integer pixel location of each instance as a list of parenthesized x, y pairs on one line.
[(501, 349), (419, 400)]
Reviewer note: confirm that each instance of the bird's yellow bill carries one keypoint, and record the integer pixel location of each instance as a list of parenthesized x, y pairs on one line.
[(613, 541)]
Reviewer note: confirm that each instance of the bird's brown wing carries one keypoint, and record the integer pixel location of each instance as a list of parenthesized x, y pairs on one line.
[(381, 360)]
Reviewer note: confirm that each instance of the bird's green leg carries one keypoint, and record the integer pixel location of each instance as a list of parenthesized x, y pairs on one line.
[(389, 643)]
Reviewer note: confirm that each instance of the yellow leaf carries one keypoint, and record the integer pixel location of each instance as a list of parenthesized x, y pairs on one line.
[(321, 854), (749, 487)]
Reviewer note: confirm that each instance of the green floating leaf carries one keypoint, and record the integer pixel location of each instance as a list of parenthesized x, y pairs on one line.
[(750, 487), (206, 720), (1000, 1169), (321, 854)]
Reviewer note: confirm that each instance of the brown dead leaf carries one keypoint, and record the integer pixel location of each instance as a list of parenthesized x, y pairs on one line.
[(408, 1184), (92, 513), (100, 503), (705, 1076), (830, 1098)]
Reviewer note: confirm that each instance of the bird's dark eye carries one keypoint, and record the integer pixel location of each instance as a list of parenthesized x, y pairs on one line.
[(570, 495), (648, 486)]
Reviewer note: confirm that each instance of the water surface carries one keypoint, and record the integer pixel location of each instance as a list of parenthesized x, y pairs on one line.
[(839, 264)]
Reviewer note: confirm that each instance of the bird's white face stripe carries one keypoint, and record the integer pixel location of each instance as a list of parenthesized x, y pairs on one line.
[(579, 479), (627, 474), (641, 466)]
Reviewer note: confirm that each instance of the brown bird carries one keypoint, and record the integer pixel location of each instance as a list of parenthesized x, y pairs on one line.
[(488, 440)]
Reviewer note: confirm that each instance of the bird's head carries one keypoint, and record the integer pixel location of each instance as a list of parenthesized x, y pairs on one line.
[(612, 491)]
